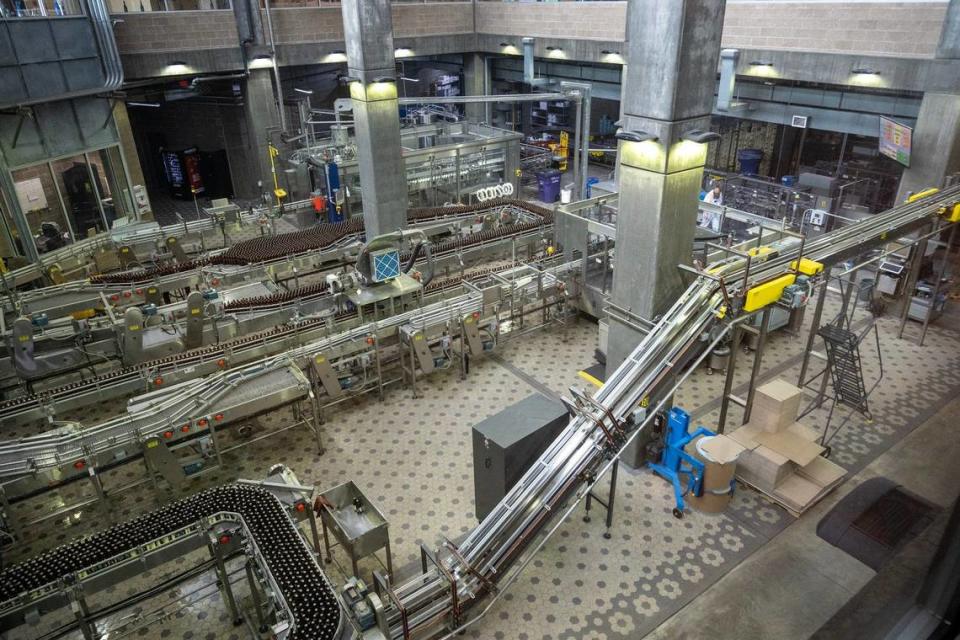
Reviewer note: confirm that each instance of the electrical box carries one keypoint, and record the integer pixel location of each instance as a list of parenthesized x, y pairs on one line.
[(506, 444)]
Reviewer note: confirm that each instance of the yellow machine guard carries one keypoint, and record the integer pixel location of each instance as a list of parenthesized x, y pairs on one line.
[(922, 194), (807, 266), (759, 251), (953, 213), (767, 293)]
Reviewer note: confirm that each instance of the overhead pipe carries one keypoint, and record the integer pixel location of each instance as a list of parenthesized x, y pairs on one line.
[(528, 59), (276, 67), (728, 78)]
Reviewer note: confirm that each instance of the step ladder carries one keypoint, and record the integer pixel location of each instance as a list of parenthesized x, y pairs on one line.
[(846, 370)]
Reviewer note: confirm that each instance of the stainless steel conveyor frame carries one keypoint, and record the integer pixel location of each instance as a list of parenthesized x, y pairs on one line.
[(601, 431)]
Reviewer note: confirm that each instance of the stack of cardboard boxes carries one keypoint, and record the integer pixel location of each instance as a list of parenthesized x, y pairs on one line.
[(781, 457)]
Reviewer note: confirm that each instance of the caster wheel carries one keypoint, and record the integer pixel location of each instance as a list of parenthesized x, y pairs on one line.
[(586, 518), (607, 535), (827, 451), (709, 371), (677, 514)]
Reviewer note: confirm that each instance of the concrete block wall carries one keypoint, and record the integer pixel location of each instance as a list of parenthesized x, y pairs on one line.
[(909, 29), (904, 29), (577, 20), (176, 31), (433, 18), (307, 24), (200, 30)]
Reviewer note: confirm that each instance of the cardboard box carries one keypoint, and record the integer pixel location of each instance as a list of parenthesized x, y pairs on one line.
[(746, 436), (764, 468), (789, 444), (775, 405), (798, 493), (823, 472)]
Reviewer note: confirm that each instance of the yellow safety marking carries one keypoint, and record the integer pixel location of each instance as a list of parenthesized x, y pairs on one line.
[(759, 251), (807, 266), (767, 293), (83, 314), (953, 215), (922, 194), (589, 378)]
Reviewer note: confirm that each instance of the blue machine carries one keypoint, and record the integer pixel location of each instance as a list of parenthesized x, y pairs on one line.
[(676, 463), (332, 174)]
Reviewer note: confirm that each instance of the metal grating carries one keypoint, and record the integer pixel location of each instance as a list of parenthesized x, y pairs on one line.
[(890, 519)]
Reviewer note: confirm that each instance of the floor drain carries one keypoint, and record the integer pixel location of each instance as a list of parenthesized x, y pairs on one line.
[(875, 520)]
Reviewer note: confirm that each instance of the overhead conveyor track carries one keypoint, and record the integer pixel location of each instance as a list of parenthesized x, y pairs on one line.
[(491, 556)]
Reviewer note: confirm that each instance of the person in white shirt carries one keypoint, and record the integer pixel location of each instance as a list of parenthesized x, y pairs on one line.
[(715, 195), (711, 220)]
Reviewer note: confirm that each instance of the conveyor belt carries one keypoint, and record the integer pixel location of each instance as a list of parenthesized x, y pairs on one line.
[(305, 589), (116, 383), (267, 248), (183, 405), (601, 432)]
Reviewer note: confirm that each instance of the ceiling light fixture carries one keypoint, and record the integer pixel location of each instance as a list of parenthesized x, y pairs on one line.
[(635, 136), (699, 135)]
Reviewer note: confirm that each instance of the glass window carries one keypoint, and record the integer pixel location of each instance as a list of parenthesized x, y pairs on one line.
[(40, 203), (81, 194), (39, 8), (115, 194), (10, 246)]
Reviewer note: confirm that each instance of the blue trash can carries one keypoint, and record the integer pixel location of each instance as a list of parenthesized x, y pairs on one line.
[(750, 161), (549, 185)]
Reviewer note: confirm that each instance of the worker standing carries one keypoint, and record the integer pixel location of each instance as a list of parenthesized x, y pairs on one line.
[(715, 195), (711, 219)]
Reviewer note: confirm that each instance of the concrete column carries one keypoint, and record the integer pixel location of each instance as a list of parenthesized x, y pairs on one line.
[(670, 78), (935, 149), (475, 84), (368, 33), (949, 45), (261, 117)]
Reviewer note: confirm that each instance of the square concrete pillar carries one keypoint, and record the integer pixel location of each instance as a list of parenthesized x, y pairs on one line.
[(935, 149), (368, 33)]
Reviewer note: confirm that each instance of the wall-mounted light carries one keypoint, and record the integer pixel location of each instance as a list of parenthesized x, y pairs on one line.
[(337, 55), (699, 135), (176, 67), (306, 92), (635, 136), (509, 49), (608, 55), (402, 52), (504, 44), (384, 79), (555, 52), (864, 71), (261, 61), (761, 63), (348, 79)]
